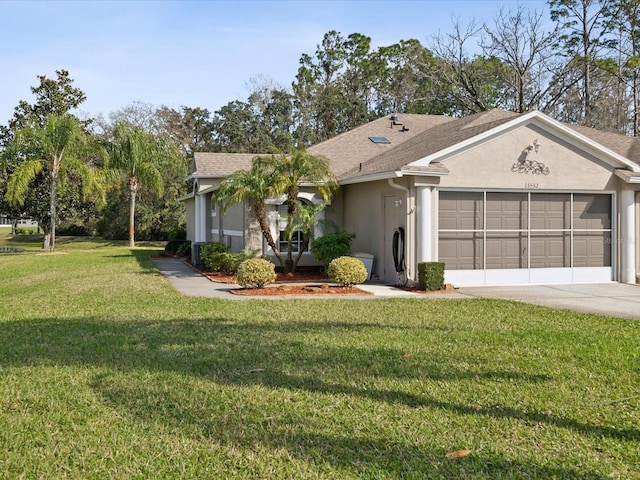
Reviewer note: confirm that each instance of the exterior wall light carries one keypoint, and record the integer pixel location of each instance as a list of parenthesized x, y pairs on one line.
[(536, 145)]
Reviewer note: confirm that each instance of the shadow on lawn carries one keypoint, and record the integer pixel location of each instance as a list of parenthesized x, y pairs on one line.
[(142, 256), (260, 354)]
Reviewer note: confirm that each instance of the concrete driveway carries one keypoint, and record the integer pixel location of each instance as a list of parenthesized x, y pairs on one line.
[(612, 299)]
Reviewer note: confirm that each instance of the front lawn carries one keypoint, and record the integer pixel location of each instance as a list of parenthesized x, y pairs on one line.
[(107, 372)]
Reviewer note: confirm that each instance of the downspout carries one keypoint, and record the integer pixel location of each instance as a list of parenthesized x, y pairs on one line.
[(410, 228), (637, 236)]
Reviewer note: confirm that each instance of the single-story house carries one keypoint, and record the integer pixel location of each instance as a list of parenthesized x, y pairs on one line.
[(499, 197)]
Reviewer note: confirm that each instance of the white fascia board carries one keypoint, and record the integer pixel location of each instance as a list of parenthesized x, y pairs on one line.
[(545, 122), (422, 173), (627, 178), (389, 175), (371, 177), (210, 189)]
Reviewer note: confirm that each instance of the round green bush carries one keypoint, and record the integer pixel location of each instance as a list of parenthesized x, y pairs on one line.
[(347, 271), (256, 272), (331, 246)]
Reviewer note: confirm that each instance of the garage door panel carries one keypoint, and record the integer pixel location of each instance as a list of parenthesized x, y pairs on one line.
[(550, 211), (461, 211), (591, 211), (461, 251), (592, 249), (506, 250), (550, 249), (507, 211)]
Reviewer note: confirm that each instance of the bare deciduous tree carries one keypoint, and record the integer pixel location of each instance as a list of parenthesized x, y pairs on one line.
[(518, 39)]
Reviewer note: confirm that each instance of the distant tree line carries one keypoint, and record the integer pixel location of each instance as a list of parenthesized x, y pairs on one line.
[(581, 66)]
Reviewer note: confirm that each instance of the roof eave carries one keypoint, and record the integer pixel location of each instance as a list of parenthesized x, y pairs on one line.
[(389, 174), (422, 173), (624, 175), (186, 197)]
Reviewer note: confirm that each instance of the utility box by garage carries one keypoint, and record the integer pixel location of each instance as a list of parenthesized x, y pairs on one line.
[(367, 259)]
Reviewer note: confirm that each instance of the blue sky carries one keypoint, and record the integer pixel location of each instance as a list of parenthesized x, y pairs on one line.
[(196, 53)]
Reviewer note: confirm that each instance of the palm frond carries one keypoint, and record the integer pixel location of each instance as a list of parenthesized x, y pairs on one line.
[(20, 179)]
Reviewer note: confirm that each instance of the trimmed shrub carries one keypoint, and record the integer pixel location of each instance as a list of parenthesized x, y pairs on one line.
[(431, 275), (178, 247), (71, 229), (347, 271), (331, 246), (209, 255), (178, 232), (256, 272)]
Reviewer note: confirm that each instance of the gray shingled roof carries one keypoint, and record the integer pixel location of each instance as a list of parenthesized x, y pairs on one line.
[(352, 154), (628, 147), (433, 140), (348, 150), (220, 165)]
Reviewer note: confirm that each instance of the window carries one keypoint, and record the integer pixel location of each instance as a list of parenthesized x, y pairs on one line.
[(296, 238), (214, 208), (296, 242)]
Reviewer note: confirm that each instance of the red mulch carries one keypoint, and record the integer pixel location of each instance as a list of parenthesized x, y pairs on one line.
[(303, 275), (286, 289), (448, 288)]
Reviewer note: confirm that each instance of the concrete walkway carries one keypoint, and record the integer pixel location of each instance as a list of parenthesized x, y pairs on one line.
[(190, 282), (611, 299)]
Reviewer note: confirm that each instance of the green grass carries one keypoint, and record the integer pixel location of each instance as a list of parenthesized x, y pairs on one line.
[(107, 372)]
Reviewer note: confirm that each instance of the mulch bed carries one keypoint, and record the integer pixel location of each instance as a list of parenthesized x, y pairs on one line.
[(448, 288), (320, 284), (284, 284), (285, 289)]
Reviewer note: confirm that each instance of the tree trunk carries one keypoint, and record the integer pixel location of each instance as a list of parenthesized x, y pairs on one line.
[(133, 192), (636, 105), (261, 215), (289, 265), (303, 247), (52, 206), (586, 43)]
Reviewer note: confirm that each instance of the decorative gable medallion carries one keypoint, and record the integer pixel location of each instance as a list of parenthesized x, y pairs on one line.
[(524, 165), (530, 166)]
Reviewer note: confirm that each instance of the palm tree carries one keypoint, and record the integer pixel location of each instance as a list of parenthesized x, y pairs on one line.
[(306, 217), (254, 185), (136, 155), (55, 149), (289, 172)]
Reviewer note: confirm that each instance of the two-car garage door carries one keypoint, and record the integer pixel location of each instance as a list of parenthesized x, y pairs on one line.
[(524, 237)]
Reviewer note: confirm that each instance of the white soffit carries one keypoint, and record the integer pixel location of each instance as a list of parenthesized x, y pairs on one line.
[(546, 123)]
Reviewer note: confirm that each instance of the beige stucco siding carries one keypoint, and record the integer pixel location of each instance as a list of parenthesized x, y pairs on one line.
[(190, 207), (233, 218), (494, 164), (334, 212)]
